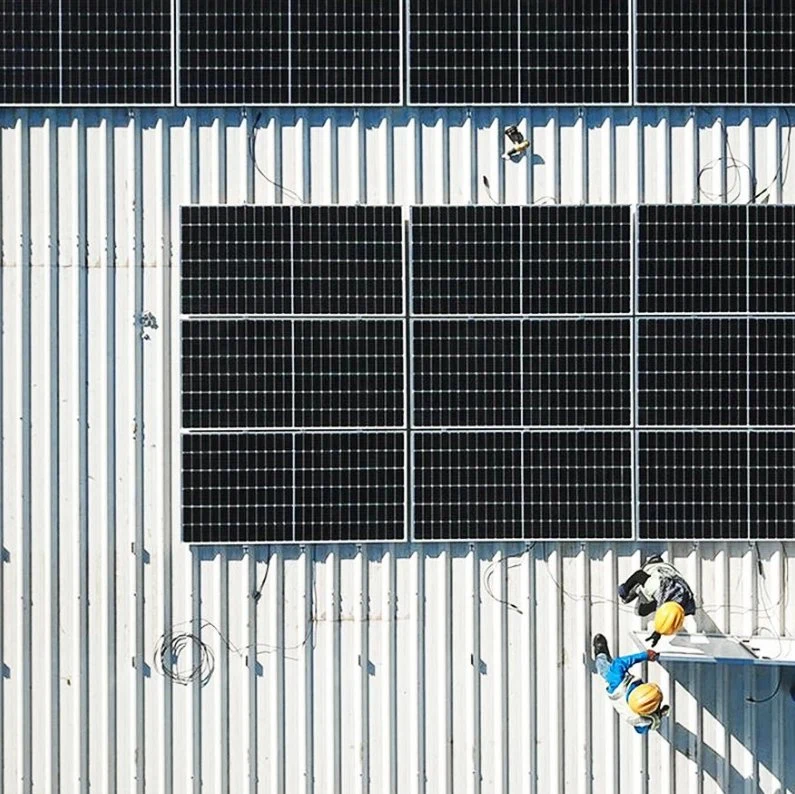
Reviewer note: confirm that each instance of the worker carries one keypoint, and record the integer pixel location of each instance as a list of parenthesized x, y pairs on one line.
[(639, 703), (661, 589)]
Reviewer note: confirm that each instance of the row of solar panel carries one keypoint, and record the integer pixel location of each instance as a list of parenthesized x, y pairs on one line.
[(350, 52), (272, 487), (253, 374), (495, 260)]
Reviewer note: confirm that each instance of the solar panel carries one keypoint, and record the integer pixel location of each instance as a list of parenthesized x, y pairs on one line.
[(507, 53), (282, 487), (346, 52), (467, 54), (772, 485), (30, 59), (237, 487), (692, 259), (771, 236), (692, 371), (521, 260), (291, 52), (347, 260), (468, 486), (574, 53), (86, 52), (466, 260), (350, 486), (690, 53), (770, 55), (467, 373), (283, 260), (576, 259), (348, 373), (116, 53), (576, 372), (578, 485), (693, 485), (716, 52), (237, 373), (772, 371)]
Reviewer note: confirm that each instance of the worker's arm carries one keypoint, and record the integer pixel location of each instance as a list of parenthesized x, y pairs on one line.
[(620, 665)]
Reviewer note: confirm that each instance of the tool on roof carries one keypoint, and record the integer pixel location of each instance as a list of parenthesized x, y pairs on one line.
[(520, 143)]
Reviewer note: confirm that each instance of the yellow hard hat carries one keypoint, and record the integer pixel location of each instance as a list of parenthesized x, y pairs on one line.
[(668, 619), (645, 699)]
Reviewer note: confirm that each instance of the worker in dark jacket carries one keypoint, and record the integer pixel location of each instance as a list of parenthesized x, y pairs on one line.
[(639, 703), (661, 589)]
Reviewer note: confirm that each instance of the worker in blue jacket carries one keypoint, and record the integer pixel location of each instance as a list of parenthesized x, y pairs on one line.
[(639, 703)]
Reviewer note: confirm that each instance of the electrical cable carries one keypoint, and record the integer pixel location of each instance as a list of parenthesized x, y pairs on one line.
[(490, 568), (252, 142), (734, 164), (769, 697)]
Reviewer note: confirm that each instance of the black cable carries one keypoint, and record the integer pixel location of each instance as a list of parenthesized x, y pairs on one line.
[(750, 699), (258, 592), (171, 646), (252, 142)]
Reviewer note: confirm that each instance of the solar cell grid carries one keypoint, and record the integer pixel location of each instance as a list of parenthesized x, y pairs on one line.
[(770, 53), (772, 485), (290, 52), (576, 259), (237, 374), (348, 373), (466, 260), (576, 372), (345, 52), (771, 234), (467, 373), (771, 371), (116, 53), (237, 487), (575, 52), (690, 53), (693, 371), (349, 486), (578, 485), (692, 259), (232, 52), (30, 72), (464, 53), (347, 260), (468, 486), (693, 485)]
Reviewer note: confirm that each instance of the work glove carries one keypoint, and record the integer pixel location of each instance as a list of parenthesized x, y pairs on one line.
[(651, 655), (664, 711), (656, 721), (653, 638)]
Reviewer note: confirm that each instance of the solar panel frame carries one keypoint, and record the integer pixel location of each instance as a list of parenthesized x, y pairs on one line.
[(283, 94), (59, 94)]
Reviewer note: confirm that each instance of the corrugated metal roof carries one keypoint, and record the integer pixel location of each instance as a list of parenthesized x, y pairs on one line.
[(384, 669)]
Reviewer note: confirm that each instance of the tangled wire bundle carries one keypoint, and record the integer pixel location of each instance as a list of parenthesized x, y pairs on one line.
[(184, 658)]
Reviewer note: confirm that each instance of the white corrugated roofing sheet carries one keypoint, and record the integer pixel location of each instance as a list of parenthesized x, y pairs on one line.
[(384, 669)]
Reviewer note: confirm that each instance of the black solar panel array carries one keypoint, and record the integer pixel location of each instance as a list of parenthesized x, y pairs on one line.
[(558, 386), (293, 320), (505, 365), (715, 371)]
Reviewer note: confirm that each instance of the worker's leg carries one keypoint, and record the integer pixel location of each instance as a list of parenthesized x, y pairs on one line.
[(628, 591), (602, 665)]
